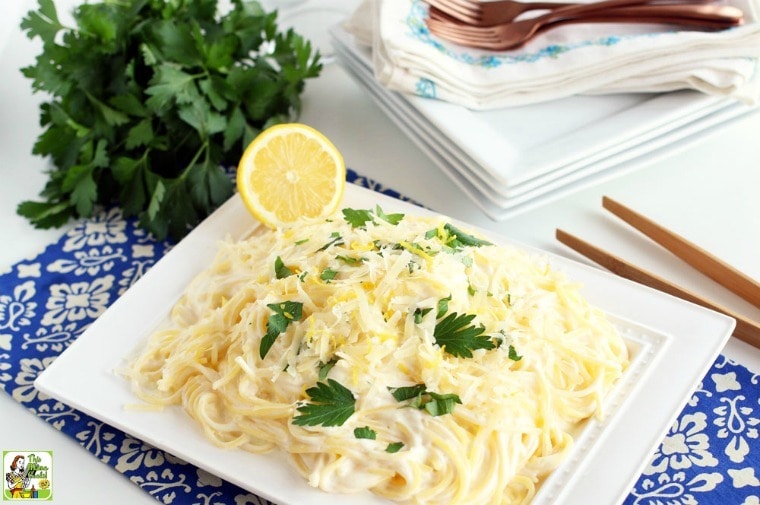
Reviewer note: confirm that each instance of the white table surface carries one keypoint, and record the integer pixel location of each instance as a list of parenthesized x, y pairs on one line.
[(707, 192)]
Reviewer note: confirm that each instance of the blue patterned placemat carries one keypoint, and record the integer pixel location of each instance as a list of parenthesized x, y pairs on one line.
[(710, 455)]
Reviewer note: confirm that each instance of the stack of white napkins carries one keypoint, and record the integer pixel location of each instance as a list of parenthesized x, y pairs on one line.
[(572, 59)]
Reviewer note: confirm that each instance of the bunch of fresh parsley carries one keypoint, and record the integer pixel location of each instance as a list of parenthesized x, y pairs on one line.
[(150, 99)]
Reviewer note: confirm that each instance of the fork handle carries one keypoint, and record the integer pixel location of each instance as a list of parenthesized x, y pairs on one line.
[(705, 16), (577, 9), (549, 5), (720, 15), (436, 12)]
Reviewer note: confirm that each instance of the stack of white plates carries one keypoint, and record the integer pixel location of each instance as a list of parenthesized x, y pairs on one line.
[(510, 160)]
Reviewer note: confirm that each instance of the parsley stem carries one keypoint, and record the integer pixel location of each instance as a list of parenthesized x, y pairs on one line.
[(202, 148)]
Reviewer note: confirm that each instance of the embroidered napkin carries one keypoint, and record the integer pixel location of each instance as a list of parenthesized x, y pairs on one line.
[(710, 455), (572, 59)]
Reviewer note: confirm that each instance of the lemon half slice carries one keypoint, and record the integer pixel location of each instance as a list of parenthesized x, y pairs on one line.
[(290, 172)]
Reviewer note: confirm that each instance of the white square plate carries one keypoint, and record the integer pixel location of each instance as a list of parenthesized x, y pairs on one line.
[(497, 201), (660, 330), (684, 118)]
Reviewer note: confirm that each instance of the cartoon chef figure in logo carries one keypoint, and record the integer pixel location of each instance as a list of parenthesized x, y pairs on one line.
[(17, 477)]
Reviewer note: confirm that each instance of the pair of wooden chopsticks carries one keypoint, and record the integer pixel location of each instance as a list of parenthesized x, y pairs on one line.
[(690, 253)]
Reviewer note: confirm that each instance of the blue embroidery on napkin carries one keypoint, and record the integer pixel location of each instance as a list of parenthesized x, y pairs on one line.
[(425, 88), (709, 456)]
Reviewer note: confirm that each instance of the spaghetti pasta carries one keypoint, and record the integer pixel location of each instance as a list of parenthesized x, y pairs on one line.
[(392, 353)]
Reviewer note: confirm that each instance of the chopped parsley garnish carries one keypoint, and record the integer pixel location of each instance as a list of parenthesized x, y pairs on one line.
[(511, 350), (443, 307), (407, 392), (365, 432), (324, 368), (453, 237), (416, 249), (280, 270), (513, 353), (328, 274), (335, 239), (458, 337), (393, 219), (358, 218), (435, 404), (331, 405), (412, 266), (439, 404), (461, 238), (394, 447), (350, 260), (284, 314), (420, 313)]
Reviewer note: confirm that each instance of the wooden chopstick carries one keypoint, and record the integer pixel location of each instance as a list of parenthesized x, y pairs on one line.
[(704, 262), (746, 330)]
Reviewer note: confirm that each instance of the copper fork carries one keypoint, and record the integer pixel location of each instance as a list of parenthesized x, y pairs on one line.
[(515, 34), (489, 13), (496, 12)]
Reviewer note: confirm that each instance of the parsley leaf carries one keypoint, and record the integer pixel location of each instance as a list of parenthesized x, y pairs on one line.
[(335, 239), (453, 237), (441, 404), (365, 432), (328, 274), (284, 314), (458, 337), (512, 353), (280, 270), (147, 101), (360, 218), (43, 24), (393, 219), (357, 218), (407, 392), (420, 313), (350, 260), (324, 368), (461, 238), (394, 447), (435, 404), (443, 307), (331, 405), (511, 350)]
